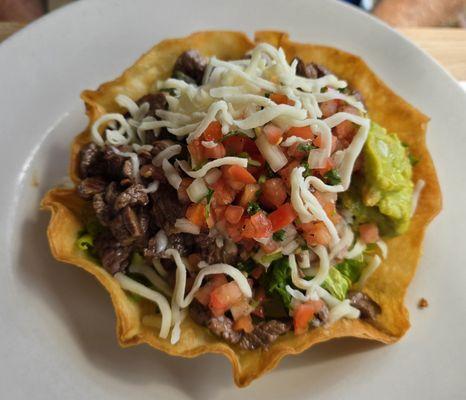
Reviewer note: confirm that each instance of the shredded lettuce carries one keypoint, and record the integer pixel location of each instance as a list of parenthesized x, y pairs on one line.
[(342, 276)]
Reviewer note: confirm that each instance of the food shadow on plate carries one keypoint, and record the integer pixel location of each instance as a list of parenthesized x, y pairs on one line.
[(80, 302)]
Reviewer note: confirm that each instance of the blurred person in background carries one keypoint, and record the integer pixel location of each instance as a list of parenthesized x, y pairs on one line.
[(405, 13)]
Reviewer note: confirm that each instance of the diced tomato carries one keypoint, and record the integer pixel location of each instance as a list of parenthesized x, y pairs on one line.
[(328, 206), (369, 233), (203, 294), (223, 194), (273, 133), (234, 144), (248, 244), (210, 220), (347, 129), (244, 324), (328, 165), (281, 99), (258, 226), (182, 193), (304, 132), (257, 272), (260, 295), (223, 297), (304, 313), (218, 211), (234, 231), (194, 259), (282, 216), (213, 133), (273, 193), (196, 214), (235, 185), (238, 174), (196, 150), (241, 308), (294, 151), (315, 233), (329, 107), (215, 152), (233, 214), (318, 142), (285, 172), (249, 194)]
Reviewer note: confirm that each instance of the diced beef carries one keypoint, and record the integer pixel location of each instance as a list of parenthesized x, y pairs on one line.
[(89, 158), (89, 187), (166, 208), (223, 327), (111, 193), (101, 209), (114, 256), (322, 317), (206, 246), (157, 101), (160, 145), (369, 308), (311, 70), (128, 169), (192, 64), (132, 196), (183, 242), (153, 173), (263, 335), (199, 314), (114, 164), (132, 223)]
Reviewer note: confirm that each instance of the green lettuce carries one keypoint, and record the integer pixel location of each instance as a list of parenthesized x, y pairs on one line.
[(342, 276)]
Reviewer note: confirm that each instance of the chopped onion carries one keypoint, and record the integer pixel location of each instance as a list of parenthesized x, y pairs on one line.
[(213, 176), (290, 247), (172, 175), (161, 241), (272, 153), (292, 140), (209, 144), (197, 190), (184, 225)]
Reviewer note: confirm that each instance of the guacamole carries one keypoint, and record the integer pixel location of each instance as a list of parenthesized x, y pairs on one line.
[(383, 195)]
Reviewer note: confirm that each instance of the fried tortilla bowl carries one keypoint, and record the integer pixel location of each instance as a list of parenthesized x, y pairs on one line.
[(137, 323)]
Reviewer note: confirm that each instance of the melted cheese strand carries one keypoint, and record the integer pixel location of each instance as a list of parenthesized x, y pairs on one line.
[(243, 162), (343, 310), (307, 206), (152, 276), (324, 266), (368, 271), (162, 303), (115, 137), (167, 153), (172, 175), (134, 162)]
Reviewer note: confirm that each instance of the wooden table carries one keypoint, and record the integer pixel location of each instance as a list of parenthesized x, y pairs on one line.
[(447, 45)]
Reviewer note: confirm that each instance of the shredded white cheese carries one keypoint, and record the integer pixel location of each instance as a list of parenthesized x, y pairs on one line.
[(243, 162), (167, 153), (131, 285), (172, 175)]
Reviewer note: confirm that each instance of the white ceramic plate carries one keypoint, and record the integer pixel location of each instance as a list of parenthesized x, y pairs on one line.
[(56, 323)]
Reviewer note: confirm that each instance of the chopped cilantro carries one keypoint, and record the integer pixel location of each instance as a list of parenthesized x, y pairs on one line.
[(267, 94), (208, 197), (333, 177), (262, 179), (253, 208), (279, 236), (277, 277), (246, 266), (306, 147), (307, 170)]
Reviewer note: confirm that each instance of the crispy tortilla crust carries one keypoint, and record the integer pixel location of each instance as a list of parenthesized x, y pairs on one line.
[(388, 284)]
